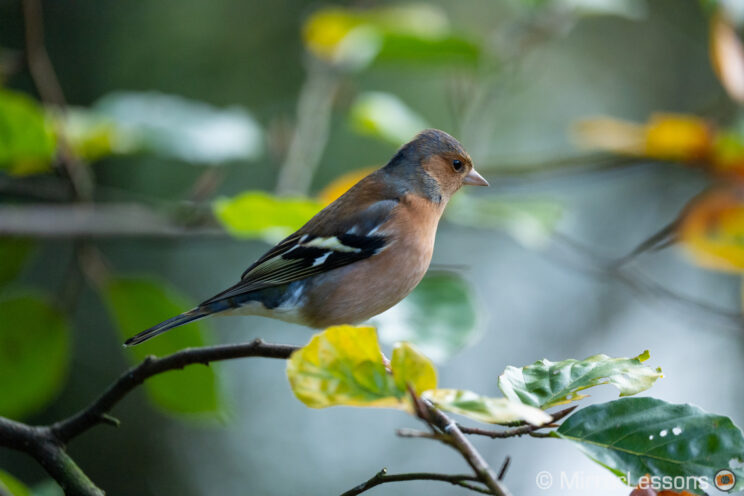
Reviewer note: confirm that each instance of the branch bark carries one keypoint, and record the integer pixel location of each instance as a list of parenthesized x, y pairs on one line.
[(382, 477), (47, 443)]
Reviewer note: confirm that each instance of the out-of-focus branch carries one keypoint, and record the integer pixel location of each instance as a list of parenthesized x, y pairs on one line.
[(88, 220), (46, 82), (383, 477), (311, 130), (47, 443)]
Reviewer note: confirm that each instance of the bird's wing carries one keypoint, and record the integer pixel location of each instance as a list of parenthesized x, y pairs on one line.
[(328, 241)]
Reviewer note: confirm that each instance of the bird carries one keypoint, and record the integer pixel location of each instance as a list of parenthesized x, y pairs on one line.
[(358, 256)]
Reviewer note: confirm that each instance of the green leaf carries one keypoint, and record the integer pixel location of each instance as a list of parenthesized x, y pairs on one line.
[(27, 143), (354, 38), (385, 116), (639, 436), (546, 384), (484, 409), (439, 317), (343, 365), (175, 127), (529, 221), (11, 486), (259, 215), (13, 254), (34, 354), (138, 303)]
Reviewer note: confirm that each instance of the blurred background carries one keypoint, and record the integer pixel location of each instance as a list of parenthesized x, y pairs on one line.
[(150, 151)]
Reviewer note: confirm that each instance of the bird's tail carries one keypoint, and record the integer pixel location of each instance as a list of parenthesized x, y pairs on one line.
[(178, 320)]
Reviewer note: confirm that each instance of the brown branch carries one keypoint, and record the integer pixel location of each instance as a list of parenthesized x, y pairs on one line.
[(47, 443), (382, 477), (448, 426), (94, 413), (522, 430)]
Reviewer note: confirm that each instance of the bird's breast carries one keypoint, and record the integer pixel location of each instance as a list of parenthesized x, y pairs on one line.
[(361, 290)]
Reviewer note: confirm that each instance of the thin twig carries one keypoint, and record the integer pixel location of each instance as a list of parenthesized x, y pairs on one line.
[(522, 430), (383, 477), (504, 468)]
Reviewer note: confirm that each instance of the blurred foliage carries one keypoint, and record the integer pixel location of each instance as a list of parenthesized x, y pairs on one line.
[(175, 127), (344, 365), (341, 184), (138, 303), (13, 254), (439, 317), (483, 409), (259, 215), (10, 486), (546, 384), (413, 34), (712, 228), (385, 116), (27, 143), (640, 436), (529, 221), (34, 354)]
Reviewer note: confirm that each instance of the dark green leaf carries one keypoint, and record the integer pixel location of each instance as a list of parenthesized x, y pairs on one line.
[(135, 305), (546, 384), (13, 253), (27, 143), (34, 354), (439, 317), (638, 436)]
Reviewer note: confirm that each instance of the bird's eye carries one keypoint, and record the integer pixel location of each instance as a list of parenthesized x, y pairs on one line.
[(457, 165)]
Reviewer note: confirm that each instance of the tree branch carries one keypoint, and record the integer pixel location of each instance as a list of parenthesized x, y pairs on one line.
[(517, 431), (382, 477), (95, 413), (47, 443)]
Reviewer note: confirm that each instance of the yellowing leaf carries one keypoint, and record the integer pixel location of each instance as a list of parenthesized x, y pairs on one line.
[(677, 137), (411, 367), (11, 486), (343, 365), (484, 409), (256, 214), (712, 229), (353, 38), (674, 137), (727, 56), (342, 184)]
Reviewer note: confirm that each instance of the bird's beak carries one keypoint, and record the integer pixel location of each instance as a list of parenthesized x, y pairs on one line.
[(475, 179)]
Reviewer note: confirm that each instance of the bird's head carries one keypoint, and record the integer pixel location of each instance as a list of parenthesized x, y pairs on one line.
[(436, 164)]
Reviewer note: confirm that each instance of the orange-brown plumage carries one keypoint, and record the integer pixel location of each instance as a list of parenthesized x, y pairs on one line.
[(361, 254)]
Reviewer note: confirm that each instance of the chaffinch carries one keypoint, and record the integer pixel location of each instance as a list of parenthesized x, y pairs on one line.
[(358, 256)]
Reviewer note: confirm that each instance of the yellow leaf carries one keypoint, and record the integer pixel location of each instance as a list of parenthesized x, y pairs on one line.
[(712, 229), (411, 367), (342, 184), (484, 409), (324, 31), (678, 137), (344, 365), (727, 56)]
